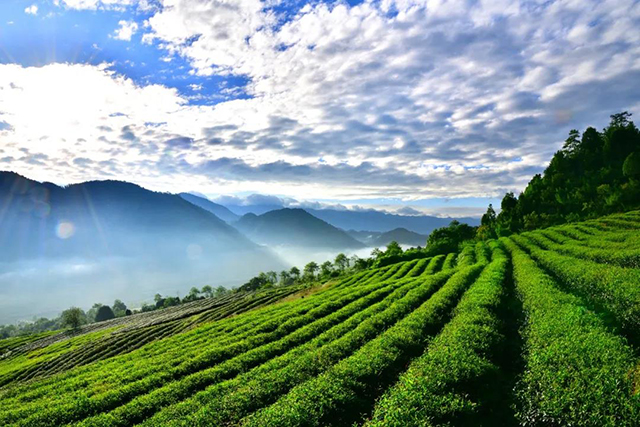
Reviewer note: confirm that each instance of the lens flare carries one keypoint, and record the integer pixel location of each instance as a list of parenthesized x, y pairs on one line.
[(65, 230)]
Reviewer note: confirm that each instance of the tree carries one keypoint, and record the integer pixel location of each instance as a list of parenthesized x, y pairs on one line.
[(620, 120), (359, 263), (295, 273), (207, 290), (91, 313), (73, 318), (376, 253), (447, 239), (573, 141), (171, 301), (104, 313), (272, 277), (487, 225), (255, 283), (592, 175), (326, 268), (193, 294), (119, 308), (489, 218), (147, 307), (310, 270), (631, 166), (220, 291), (341, 262), (507, 222), (285, 278), (157, 297), (393, 248)]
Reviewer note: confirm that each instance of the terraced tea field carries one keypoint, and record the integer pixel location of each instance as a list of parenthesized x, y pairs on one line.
[(541, 328)]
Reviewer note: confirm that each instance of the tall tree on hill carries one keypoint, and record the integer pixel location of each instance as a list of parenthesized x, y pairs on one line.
[(119, 308), (487, 229), (310, 271), (341, 262), (393, 248), (104, 313), (207, 291), (285, 278), (295, 273), (73, 318), (326, 268)]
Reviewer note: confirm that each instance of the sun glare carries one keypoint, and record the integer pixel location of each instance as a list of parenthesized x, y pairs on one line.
[(65, 230)]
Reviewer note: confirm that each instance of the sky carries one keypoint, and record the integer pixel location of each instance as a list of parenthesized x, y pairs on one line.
[(432, 105)]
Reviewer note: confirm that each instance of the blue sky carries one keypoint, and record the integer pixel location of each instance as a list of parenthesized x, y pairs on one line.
[(439, 105), (60, 35)]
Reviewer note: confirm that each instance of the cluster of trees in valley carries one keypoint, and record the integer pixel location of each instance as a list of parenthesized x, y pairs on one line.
[(74, 317), (311, 273)]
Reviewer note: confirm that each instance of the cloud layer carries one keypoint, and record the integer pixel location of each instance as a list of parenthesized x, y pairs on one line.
[(396, 99)]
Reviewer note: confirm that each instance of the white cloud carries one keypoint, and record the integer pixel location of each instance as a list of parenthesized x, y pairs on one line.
[(31, 10), (100, 4), (126, 30), (396, 99)]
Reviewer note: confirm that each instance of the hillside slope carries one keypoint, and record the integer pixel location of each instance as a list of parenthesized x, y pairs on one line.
[(294, 227), (104, 239), (437, 340), (218, 210)]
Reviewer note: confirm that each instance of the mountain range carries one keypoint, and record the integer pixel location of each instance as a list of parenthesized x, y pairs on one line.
[(373, 220), (100, 240), (379, 239), (218, 210), (369, 220), (294, 227)]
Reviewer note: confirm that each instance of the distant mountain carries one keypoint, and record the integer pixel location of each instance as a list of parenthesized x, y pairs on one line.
[(101, 240), (294, 227), (218, 210), (366, 237), (402, 236), (103, 217), (378, 239), (358, 220), (256, 209), (372, 220)]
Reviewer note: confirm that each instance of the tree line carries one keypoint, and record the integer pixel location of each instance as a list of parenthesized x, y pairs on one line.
[(74, 317), (311, 273), (593, 174)]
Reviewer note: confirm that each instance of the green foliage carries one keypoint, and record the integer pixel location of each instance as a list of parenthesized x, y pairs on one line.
[(104, 313), (119, 308), (207, 291), (577, 372), (448, 239), (341, 262), (591, 176), (631, 166), (468, 347), (427, 341), (73, 318), (309, 272), (337, 392)]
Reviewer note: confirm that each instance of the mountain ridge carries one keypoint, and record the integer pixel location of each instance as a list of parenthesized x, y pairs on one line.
[(295, 227)]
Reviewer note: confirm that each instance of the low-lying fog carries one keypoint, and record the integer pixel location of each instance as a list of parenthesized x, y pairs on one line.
[(43, 288)]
